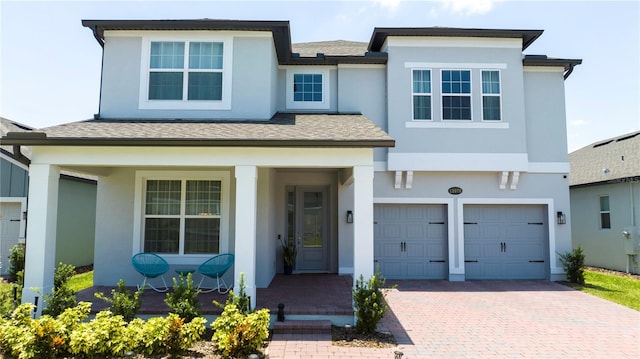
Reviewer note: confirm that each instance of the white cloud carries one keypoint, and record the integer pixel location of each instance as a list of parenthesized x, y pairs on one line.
[(467, 7), (393, 4)]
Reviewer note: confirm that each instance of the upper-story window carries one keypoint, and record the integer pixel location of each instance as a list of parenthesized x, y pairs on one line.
[(307, 88), (456, 95), (491, 95), (605, 213), (421, 84), (193, 73)]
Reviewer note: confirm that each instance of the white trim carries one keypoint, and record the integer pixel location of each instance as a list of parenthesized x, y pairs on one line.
[(549, 167), (515, 177), (455, 65), (414, 94), (457, 124), (308, 105), (23, 209), (179, 34), (458, 162), (138, 215), (549, 202), (504, 178), (227, 71), (361, 66), (306, 67), (14, 161), (444, 41), (498, 95), (345, 270), (543, 68), (398, 181), (409, 183)]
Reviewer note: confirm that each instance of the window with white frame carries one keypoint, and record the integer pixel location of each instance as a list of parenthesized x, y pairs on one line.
[(605, 213), (491, 109), (421, 89), (307, 88), (182, 216), (185, 71), (456, 95)]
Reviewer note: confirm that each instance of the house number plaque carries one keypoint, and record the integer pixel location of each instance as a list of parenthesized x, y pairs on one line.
[(455, 190)]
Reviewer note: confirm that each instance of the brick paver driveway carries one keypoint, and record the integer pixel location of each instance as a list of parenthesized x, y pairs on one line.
[(491, 319), (509, 319)]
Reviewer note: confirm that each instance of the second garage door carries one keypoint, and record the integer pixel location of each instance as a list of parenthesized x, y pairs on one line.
[(505, 242), (411, 241)]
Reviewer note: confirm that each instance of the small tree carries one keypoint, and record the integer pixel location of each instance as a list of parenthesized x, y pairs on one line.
[(573, 264), (123, 302), (369, 302), (16, 262), (183, 300), (63, 296)]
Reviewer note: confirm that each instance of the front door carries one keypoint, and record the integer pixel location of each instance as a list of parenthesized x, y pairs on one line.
[(308, 217)]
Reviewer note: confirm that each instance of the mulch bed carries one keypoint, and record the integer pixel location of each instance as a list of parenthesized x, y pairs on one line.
[(614, 272), (340, 338)]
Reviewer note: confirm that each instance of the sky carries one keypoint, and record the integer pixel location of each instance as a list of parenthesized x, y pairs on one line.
[(50, 64)]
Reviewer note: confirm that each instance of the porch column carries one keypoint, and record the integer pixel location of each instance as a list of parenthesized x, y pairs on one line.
[(42, 219), (362, 222), (246, 214)]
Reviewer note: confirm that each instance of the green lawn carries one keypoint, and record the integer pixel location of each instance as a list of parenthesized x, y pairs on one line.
[(81, 281), (621, 290)]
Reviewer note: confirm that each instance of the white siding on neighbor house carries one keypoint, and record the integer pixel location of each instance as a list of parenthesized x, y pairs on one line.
[(607, 248), (251, 91), (545, 115)]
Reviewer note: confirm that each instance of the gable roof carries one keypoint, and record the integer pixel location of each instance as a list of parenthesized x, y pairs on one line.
[(613, 160), (282, 130)]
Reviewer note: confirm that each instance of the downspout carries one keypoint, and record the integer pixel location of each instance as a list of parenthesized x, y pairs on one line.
[(100, 38), (569, 71), (97, 36), (20, 157)]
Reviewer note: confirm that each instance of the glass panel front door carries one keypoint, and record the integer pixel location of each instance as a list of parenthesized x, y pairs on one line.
[(307, 222)]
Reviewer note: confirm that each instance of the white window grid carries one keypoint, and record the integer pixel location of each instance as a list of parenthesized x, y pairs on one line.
[(414, 94), (469, 95), (499, 94)]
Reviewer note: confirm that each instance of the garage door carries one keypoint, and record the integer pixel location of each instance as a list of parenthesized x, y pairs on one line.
[(505, 242), (9, 231), (410, 241)]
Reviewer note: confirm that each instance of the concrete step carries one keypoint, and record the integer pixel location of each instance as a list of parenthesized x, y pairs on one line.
[(302, 327)]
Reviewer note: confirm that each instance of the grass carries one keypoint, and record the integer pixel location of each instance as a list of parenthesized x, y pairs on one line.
[(614, 288), (81, 281)]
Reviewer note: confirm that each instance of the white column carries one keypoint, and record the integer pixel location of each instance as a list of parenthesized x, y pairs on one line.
[(246, 214), (42, 219), (363, 222)]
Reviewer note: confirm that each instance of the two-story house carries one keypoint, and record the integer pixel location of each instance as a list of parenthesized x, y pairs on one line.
[(437, 153)]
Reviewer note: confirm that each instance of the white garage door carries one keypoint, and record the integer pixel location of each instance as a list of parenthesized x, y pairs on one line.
[(9, 232), (505, 242), (410, 241)]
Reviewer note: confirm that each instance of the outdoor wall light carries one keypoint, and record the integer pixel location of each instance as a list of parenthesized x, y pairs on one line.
[(349, 216), (561, 218)]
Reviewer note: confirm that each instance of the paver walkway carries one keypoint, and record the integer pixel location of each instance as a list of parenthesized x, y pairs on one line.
[(488, 319)]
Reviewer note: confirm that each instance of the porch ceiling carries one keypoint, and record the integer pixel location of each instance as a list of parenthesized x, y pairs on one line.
[(282, 130)]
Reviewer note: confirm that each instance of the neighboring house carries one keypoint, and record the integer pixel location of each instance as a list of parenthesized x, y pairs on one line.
[(437, 153), (605, 202), (76, 206)]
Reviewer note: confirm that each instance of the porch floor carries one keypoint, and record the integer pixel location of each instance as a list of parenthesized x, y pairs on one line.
[(302, 294)]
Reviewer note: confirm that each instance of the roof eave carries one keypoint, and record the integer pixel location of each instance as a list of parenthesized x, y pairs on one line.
[(173, 142)]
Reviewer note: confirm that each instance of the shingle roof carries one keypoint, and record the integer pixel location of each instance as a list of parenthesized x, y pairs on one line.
[(294, 130), (614, 159), (7, 126), (330, 48)]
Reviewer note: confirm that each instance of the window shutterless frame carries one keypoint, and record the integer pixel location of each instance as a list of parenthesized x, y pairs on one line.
[(180, 72), (605, 212), (421, 95), (456, 94), (307, 88), (491, 90)]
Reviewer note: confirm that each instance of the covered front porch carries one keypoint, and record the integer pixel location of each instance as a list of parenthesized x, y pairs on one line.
[(317, 296)]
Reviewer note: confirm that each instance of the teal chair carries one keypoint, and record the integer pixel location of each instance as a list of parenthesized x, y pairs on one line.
[(150, 265), (215, 268)]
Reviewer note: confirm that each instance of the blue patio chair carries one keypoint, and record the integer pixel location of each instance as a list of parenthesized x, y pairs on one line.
[(150, 265), (216, 267)]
